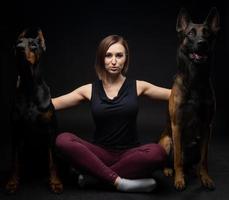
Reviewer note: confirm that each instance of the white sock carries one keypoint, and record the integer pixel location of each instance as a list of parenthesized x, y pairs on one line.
[(136, 185), (81, 182)]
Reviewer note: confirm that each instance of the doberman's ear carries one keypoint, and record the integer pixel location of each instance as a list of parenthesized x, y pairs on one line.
[(183, 19), (212, 20), (22, 34), (41, 39)]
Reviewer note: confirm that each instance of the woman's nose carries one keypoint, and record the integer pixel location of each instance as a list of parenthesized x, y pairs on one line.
[(113, 61)]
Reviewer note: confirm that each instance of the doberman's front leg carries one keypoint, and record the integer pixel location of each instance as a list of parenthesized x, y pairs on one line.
[(178, 158), (13, 181), (203, 165), (55, 183)]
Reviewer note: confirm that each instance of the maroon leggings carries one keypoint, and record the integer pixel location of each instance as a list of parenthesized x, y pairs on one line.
[(138, 162)]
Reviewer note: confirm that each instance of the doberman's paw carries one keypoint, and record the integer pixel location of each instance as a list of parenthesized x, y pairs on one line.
[(168, 171), (56, 185), (12, 186)]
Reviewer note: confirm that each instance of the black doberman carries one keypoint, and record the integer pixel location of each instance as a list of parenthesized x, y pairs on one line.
[(192, 100), (33, 115)]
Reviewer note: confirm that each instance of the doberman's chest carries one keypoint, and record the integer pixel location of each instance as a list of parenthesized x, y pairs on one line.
[(30, 111)]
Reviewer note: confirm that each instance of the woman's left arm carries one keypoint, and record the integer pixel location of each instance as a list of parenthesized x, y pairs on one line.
[(152, 91)]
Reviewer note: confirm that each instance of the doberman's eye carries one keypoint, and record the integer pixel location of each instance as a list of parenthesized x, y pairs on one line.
[(19, 41), (33, 45)]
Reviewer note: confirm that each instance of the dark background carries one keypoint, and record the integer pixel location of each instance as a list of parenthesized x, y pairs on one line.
[(73, 30)]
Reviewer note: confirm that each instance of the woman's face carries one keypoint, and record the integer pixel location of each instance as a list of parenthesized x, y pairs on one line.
[(115, 59)]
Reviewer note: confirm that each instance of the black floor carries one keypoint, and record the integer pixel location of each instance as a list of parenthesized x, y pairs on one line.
[(36, 189)]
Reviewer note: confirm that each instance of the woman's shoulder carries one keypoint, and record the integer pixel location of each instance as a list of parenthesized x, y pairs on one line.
[(85, 90), (141, 83), (85, 86), (142, 86)]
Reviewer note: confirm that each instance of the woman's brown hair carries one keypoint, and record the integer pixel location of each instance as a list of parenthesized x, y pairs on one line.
[(101, 53)]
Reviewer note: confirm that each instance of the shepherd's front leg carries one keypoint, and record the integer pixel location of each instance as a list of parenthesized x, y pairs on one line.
[(179, 181), (203, 164), (166, 143)]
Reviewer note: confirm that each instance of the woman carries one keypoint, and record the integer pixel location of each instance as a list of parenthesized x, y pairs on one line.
[(115, 156)]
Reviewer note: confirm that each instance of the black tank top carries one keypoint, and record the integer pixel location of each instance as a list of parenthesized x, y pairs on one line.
[(115, 119)]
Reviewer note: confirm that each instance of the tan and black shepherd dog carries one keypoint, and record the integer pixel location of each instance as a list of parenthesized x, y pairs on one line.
[(192, 100)]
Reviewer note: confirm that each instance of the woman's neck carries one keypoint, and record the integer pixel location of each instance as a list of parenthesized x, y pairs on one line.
[(112, 85), (111, 80)]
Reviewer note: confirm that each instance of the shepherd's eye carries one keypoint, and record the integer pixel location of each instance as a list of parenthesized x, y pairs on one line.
[(206, 32), (191, 33)]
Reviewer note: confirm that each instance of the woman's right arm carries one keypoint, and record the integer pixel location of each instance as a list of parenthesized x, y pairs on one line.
[(73, 98)]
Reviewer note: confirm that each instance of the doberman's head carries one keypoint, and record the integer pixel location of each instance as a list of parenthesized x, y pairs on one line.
[(197, 40), (29, 46)]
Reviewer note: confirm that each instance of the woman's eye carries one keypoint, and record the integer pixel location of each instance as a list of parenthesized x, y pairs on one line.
[(119, 55), (108, 55)]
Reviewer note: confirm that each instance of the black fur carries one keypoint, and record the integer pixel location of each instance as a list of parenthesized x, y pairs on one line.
[(33, 116)]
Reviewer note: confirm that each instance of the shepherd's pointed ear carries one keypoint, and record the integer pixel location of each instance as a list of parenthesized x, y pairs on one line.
[(41, 39), (212, 20), (183, 19)]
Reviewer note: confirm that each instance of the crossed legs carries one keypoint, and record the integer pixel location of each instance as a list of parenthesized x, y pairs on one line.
[(111, 165)]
